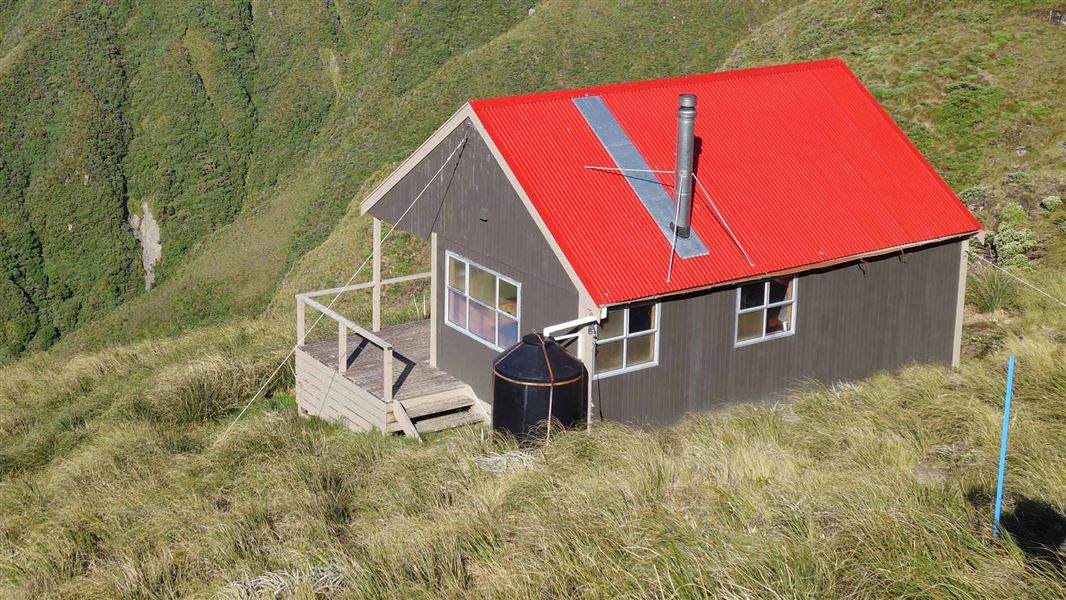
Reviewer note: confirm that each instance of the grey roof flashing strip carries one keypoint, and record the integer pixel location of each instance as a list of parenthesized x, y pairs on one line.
[(647, 188)]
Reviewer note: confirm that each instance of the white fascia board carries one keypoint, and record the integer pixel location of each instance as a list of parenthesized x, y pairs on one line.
[(961, 237), (584, 298), (585, 302)]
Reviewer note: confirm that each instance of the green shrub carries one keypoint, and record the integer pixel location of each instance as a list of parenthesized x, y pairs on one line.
[(1011, 239), (978, 194), (989, 289), (1050, 203)]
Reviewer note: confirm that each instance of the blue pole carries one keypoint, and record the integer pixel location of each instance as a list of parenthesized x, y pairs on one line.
[(1003, 445)]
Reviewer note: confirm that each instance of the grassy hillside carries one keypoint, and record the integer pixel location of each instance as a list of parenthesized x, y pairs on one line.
[(115, 484), (111, 107), (201, 111), (114, 481), (395, 83), (65, 255), (247, 128), (975, 85)]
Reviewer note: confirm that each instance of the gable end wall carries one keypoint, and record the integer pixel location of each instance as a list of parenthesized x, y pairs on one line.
[(507, 241)]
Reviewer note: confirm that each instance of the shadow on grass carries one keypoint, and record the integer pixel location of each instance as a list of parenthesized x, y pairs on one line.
[(1039, 529), (1036, 526)]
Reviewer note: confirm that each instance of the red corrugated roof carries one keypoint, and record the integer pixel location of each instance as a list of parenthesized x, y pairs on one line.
[(803, 163)]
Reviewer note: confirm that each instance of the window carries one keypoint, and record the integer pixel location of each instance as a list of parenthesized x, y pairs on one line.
[(628, 339), (766, 310), (481, 303)]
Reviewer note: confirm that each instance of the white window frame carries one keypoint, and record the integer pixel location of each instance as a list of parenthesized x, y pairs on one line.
[(766, 305), (447, 300), (625, 347)]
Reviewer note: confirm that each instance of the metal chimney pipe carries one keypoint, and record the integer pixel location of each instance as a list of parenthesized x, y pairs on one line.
[(686, 119)]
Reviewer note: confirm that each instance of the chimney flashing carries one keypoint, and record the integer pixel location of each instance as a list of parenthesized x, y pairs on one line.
[(651, 193)]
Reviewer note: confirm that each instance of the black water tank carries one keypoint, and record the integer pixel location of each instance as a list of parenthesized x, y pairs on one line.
[(529, 376)]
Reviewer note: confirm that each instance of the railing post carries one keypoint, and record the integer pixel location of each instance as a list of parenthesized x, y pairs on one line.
[(342, 347), (376, 325), (434, 276), (301, 314), (387, 375)]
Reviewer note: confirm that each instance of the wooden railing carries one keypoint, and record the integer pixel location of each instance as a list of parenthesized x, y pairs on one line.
[(345, 325)]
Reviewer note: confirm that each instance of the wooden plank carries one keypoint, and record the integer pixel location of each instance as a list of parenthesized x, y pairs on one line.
[(342, 348), (416, 376), (330, 407), (357, 394), (320, 385), (301, 320), (417, 410), (370, 337), (355, 400), (448, 421), (319, 402), (405, 421), (386, 376), (365, 286)]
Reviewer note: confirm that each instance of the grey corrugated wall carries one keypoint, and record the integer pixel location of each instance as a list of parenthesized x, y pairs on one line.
[(852, 321), (508, 242)]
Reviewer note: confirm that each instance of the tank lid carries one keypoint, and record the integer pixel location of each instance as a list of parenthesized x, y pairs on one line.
[(535, 339), (538, 359)]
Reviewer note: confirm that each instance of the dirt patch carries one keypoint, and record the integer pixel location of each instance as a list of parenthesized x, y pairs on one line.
[(146, 230)]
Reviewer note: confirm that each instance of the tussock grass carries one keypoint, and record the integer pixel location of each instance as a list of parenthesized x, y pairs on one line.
[(990, 290), (881, 488), (210, 387)]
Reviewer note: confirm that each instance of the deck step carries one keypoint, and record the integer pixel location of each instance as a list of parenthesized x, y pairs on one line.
[(418, 408), (449, 420)]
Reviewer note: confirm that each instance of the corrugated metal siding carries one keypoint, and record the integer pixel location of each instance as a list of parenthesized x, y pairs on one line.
[(802, 162), (508, 242), (852, 321)]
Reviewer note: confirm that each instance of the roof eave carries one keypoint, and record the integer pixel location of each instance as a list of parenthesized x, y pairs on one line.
[(585, 300), (798, 269)]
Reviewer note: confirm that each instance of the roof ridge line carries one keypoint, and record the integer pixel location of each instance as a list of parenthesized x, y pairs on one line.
[(626, 86)]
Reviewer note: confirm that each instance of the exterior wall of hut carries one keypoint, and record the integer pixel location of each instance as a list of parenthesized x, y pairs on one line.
[(477, 215), (851, 321)]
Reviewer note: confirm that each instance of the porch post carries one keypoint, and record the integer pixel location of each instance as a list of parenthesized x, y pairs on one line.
[(301, 314), (434, 275), (387, 375), (342, 347), (376, 325)]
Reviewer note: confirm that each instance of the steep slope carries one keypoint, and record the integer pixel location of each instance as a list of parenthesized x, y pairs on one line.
[(65, 254), (977, 86), (396, 81), (178, 117)]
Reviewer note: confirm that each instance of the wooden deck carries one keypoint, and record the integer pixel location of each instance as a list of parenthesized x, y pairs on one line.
[(412, 373), (429, 399)]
